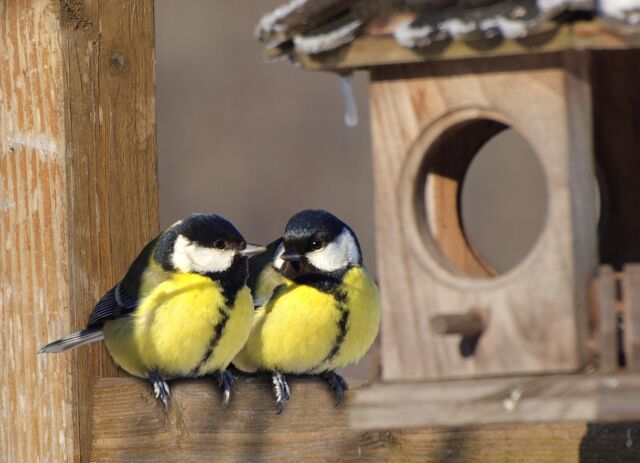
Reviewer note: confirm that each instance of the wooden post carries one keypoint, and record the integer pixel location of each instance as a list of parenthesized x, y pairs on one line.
[(78, 199)]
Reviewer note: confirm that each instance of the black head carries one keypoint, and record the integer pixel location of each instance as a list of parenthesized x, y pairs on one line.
[(203, 243), (316, 245)]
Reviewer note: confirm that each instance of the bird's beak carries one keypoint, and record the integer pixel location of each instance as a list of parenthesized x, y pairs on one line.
[(291, 256), (252, 250)]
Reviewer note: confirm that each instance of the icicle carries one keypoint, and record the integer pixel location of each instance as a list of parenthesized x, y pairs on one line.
[(351, 108)]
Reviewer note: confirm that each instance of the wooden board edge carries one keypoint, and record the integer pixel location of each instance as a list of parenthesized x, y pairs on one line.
[(382, 49), (532, 399)]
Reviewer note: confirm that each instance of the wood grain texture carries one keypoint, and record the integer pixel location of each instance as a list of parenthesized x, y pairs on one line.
[(36, 395), (109, 67), (603, 398), (546, 99), (79, 200), (134, 428)]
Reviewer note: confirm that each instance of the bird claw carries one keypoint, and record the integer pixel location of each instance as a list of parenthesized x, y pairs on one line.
[(281, 390), (160, 389), (336, 383), (226, 381)]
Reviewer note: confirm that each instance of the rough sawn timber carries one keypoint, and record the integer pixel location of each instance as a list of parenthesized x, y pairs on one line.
[(130, 425), (542, 398), (78, 200)]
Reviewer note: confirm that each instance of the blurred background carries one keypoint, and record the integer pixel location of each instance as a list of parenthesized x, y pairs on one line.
[(259, 142), (251, 141)]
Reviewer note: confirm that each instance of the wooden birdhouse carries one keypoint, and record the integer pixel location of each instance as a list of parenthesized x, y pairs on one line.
[(446, 77)]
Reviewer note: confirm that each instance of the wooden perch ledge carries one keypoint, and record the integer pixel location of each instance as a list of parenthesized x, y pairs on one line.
[(130, 425)]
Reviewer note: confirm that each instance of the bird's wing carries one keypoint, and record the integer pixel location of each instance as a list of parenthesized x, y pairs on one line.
[(115, 303), (263, 278), (143, 275), (260, 262)]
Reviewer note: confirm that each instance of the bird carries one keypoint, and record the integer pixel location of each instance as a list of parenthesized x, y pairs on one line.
[(182, 310), (317, 309)]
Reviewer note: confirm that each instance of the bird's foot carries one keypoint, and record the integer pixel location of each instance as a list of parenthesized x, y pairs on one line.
[(226, 381), (280, 390), (161, 389), (337, 383)]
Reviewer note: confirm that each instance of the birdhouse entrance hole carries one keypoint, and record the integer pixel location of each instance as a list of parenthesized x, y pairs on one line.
[(503, 201), (476, 177)]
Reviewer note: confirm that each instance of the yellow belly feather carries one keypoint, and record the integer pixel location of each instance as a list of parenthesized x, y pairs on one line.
[(296, 330), (172, 329)]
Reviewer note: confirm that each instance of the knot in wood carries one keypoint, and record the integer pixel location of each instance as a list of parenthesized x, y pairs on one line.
[(117, 62)]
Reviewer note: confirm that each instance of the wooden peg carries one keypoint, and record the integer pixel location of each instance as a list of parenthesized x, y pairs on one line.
[(470, 324)]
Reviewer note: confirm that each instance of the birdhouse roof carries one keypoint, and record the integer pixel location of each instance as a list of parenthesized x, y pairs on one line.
[(336, 34)]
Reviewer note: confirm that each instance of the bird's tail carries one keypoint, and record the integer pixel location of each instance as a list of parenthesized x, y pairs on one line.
[(79, 338)]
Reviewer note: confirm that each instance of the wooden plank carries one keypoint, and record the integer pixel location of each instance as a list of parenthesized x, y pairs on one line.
[(631, 308), (546, 99), (378, 47), (370, 51), (134, 428), (79, 199), (604, 398), (109, 66), (607, 320)]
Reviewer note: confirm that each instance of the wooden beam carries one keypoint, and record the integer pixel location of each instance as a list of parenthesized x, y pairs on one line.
[(133, 428), (78, 199), (605, 398), (377, 46)]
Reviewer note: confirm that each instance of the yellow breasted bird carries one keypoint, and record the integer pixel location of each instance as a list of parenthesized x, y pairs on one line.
[(318, 309), (183, 309)]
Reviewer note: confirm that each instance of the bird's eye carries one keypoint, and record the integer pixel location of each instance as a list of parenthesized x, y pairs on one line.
[(219, 244), (316, 245)]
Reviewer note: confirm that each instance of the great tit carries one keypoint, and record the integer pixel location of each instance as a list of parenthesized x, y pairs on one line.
[(181, 311), (318, 309)]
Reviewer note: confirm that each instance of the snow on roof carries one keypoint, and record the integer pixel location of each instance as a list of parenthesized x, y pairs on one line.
[(311, 27)]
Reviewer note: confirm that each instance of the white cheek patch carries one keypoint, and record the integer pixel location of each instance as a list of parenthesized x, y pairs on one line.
[(338, 254), (278, 262), (189, 257)]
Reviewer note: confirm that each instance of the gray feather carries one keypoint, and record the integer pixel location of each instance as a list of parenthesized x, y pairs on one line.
[(79, 338)]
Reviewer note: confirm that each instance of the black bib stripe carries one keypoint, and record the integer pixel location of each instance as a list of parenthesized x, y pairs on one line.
[(341, 300), (213, 342)]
